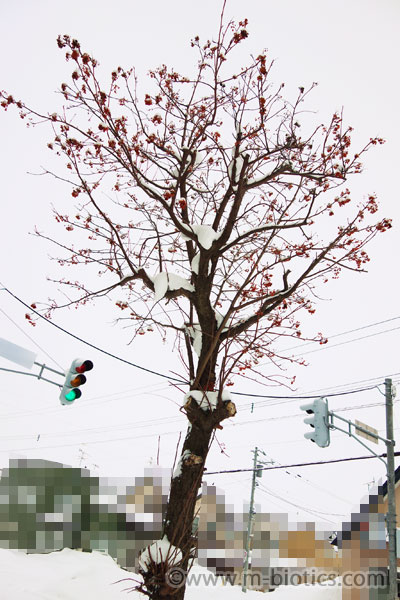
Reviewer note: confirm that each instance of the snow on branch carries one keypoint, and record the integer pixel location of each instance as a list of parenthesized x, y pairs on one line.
[(164, 282), (205, 234), (195, 334)]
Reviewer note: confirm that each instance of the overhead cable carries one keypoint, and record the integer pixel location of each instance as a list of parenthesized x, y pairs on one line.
[(181, 381)]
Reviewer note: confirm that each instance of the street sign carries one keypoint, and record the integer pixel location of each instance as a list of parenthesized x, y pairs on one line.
[(17, 354), (365, 435)]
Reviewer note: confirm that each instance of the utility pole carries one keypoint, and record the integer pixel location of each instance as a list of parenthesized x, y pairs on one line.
[(391, 494), (250, 523)]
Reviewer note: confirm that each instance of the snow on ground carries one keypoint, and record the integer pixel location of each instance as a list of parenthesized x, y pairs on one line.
[(65, 575), (73, 575)]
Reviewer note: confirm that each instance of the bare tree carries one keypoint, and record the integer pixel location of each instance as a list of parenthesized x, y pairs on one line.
[(205, 203)]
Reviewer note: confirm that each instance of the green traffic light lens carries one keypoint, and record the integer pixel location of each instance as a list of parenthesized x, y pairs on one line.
[(73, 395)]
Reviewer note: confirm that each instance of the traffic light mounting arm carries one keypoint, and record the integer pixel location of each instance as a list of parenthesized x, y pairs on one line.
[(37, 375), (350, 433), (74, 374), (322, 421)]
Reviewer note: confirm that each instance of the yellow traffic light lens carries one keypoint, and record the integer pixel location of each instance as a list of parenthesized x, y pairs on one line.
[(78, 380)]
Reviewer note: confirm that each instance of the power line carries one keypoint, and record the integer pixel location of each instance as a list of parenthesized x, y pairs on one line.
[(316, 513), (363, 337), (303, 479), (273, 397), (130, 437), (330, 337), (88, 403), (295, 415), (31, 339), (339, 387), (325, 392), (306, 397), (167, 420), (321, 462), (118, 395), (99, 430), (90, 344)]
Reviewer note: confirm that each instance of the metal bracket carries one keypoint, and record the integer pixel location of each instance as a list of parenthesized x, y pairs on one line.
[(38, 375), (350, 433)]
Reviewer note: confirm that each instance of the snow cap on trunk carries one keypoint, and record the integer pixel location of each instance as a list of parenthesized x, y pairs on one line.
[(160, 551), (205, 234), (207, 400)]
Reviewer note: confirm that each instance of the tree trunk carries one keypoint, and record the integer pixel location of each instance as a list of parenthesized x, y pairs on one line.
[(167, 581), (182, 499)]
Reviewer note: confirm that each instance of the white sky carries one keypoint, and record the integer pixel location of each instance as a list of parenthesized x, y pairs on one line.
[(351, 49)]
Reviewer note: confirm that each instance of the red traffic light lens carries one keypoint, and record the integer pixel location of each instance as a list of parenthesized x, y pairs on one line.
[(87, 365)]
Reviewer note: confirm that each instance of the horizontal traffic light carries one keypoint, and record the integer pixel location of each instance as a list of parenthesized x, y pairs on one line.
[(73, 379)]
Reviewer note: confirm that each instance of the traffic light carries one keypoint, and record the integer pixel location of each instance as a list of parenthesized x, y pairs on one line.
[(319, 421), (73, 379)]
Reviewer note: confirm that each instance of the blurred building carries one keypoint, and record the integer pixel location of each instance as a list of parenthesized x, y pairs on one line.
[(46, 506)]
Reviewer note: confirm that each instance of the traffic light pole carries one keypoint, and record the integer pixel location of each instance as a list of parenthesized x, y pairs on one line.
[(250, 523)]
